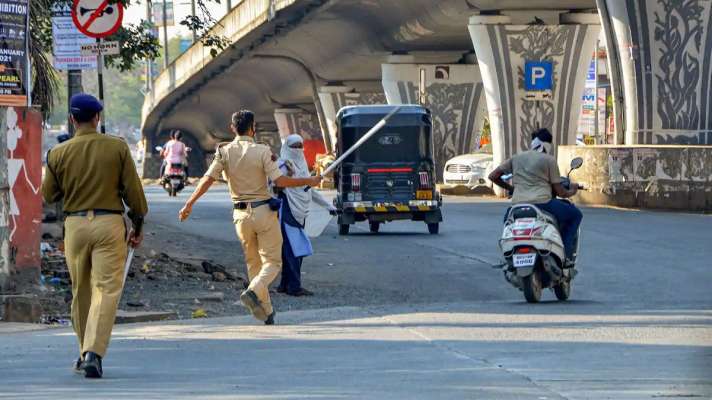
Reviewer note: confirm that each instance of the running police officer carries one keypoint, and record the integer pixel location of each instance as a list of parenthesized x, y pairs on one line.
[(247, 166), (95, 176)]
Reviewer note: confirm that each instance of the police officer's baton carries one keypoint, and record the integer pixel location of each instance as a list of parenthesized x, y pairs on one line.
[(127, 264), (361, 141), (358, 144)]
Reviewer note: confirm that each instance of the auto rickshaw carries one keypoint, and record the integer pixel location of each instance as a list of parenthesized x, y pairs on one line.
[(392, 175)]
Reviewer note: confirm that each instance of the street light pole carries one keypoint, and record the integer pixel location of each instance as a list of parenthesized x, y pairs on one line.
[(149, 62), (192, 12), (165, 35)]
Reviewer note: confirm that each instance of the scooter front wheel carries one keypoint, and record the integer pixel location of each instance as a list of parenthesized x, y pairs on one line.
[(531, 285)]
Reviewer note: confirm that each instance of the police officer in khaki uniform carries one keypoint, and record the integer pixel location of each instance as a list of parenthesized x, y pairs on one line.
[(95, 176), (247, 166)]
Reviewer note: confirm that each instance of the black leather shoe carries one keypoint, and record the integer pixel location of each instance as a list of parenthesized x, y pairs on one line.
[(270, 318), (92, 365), (281, 289), (251, 302), (78, 366)]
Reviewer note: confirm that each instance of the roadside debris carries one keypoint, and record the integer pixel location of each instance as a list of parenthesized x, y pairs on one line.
[(156, 282), (216, 270)]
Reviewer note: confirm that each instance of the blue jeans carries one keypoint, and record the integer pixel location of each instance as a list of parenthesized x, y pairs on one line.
[(569, 218)]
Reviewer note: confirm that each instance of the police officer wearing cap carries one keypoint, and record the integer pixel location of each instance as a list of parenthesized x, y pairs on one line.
[(95, 176), (247, 166)]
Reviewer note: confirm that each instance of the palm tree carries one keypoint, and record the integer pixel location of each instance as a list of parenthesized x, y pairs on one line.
[(45, 80)]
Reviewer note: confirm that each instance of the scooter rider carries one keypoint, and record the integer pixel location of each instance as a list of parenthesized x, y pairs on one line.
[(176, 152), (534, 174)]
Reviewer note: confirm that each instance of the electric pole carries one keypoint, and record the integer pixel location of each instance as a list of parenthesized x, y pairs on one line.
[(165, 35)]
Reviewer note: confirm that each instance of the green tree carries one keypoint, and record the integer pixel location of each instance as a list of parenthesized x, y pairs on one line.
[(123, 101), (173, 51)]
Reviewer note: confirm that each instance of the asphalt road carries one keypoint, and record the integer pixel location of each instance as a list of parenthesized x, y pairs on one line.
[(425, 317), (628, 258)]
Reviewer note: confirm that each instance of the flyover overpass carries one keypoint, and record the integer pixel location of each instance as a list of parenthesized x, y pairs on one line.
[(296, 62)]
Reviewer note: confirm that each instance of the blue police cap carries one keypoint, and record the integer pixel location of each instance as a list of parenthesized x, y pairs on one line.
[(85, 104)]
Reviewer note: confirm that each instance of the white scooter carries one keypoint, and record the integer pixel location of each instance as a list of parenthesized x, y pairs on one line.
[(534, 252)]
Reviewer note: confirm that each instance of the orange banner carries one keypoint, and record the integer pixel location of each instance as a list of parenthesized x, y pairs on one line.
[(24, 152)]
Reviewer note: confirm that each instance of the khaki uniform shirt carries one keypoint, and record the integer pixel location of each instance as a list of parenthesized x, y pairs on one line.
[(533, 173), (92, 171), (246, 166)]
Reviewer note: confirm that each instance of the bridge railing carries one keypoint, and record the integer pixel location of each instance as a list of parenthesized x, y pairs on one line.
[(242, 19)]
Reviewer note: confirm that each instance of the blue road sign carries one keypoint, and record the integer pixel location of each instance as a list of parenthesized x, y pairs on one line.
[(538, 75)]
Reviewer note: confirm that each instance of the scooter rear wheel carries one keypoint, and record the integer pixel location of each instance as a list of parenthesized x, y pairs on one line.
[(531, 285), (563, 291)]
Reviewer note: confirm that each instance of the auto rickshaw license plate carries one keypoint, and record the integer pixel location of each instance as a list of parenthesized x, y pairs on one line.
[(424, 195)]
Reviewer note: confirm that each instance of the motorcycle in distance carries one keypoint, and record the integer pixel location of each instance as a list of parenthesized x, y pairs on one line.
[(174, 178), (534, 252)]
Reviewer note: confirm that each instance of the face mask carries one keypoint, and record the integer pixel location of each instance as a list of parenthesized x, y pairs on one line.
[(542, 147)]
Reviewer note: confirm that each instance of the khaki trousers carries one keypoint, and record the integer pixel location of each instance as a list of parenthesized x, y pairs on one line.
[(261, 238), (96, 248)]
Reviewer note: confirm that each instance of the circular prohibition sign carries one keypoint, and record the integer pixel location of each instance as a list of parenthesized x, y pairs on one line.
[(97, 18)]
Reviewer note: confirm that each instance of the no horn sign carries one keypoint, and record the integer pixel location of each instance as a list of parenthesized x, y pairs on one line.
[(97, 18)]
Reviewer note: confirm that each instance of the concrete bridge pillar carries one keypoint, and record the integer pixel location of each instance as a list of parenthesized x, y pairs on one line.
[(453, 93), (665, 53), (301, 122), (503, 44), (269, 137), (333, 98)]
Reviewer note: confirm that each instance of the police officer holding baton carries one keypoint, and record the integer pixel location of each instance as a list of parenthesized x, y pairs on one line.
[(247, 166), (95, 176)]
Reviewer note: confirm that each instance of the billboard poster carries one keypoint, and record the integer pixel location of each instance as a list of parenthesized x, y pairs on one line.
[(68, 41), (14, 66), (591, 74)]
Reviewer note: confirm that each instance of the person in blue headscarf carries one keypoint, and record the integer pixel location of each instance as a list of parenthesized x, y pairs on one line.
[(293, 214)]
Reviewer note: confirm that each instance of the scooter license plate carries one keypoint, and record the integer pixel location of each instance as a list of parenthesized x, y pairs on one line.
[(524, 260), (175, 182)]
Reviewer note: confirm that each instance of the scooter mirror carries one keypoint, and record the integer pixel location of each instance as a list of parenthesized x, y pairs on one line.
[(576, 163)]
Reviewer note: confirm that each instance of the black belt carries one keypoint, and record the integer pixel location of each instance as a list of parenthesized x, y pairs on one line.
[(96, 212), (242, 205)]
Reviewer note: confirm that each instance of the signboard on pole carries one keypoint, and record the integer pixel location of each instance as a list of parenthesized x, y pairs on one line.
[(158, 13), (538, 75), (68, 41), (105, 48), (97, 18), (14, 54), (538, 80)]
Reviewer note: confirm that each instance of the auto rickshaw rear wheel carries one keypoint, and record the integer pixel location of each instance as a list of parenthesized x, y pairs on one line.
[(374, 226), (344, 229), (434, 229)]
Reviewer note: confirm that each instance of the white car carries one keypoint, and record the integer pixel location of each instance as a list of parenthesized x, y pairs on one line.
[(469, 170)]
